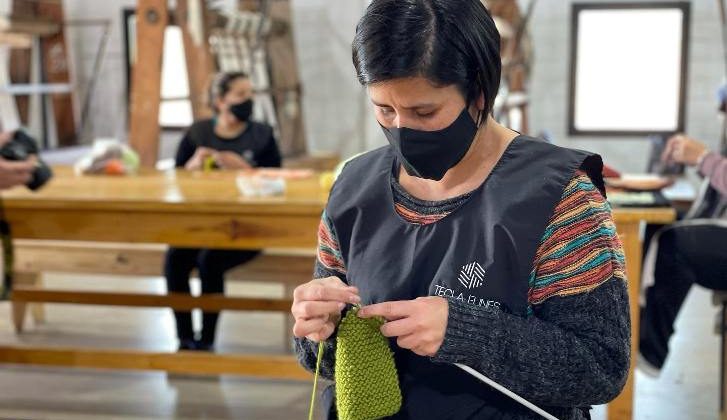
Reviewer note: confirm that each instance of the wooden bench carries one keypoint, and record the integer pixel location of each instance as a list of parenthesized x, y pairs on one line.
[(288, 267)]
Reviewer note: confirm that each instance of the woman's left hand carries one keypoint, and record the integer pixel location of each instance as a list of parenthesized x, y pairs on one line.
[(231, 160), (419, 324)]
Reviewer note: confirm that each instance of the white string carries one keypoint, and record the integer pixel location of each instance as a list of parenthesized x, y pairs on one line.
[(506, 391)]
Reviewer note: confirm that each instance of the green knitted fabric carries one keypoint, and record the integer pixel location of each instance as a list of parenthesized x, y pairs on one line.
[(367, 384)]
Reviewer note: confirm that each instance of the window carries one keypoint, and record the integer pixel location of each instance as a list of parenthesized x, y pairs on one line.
[(628, 68)]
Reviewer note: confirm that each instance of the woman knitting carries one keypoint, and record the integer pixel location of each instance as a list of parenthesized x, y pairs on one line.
[(476, 244)]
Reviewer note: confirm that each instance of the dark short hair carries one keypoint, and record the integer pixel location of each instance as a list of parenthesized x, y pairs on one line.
[(220, 85), (449, 42)]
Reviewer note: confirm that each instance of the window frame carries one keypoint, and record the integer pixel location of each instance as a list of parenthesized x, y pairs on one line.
[(576, 8)]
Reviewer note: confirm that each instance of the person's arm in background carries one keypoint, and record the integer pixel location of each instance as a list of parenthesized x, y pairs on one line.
[(189, 156), (185, 151), (686, 150), (270, 155), (714, 167)]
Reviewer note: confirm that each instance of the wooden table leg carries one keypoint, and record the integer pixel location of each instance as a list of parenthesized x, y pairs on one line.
[(18, 314), (19, 309), (622, 407)]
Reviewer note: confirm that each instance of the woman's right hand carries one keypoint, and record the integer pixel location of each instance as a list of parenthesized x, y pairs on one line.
[(317, 307), (196, 162)]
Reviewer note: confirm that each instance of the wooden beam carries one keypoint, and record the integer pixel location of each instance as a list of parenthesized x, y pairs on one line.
[(89, 257), (183, 230), (151, 21), (16, 40), (172, 300), (196, 363), (281, 266), (57, 70), (191, 17), (285, 81), (20, 63), (29, 25)]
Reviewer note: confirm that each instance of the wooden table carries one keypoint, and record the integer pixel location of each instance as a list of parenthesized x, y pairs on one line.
[(628, 226), (179, 209), (206, 210)]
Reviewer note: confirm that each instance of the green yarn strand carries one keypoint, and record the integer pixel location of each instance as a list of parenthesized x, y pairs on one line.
[(315, 380)]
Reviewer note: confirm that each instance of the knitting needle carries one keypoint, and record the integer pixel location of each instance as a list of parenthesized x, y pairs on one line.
[(506, 391)]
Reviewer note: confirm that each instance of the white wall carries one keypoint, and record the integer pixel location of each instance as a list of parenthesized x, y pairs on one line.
[(336, 107), (551, 77), (323, 29), (338, 114), (108, 104), (333, 97)]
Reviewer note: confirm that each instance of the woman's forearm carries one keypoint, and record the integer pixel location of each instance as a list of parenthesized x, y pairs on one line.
[(714, 167), (574, 351)]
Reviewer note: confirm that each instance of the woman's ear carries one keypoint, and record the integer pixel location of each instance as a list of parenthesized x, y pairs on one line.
[(218, 105), (480, 103), (477, 108)]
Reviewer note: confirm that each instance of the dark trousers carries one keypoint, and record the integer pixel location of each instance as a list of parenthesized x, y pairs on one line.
[(686, 255), (211, 265)]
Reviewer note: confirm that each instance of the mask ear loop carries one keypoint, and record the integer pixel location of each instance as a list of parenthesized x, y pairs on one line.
[(481, 115)]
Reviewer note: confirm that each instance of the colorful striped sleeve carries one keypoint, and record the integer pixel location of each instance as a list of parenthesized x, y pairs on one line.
[(580, 249), (329, 251)]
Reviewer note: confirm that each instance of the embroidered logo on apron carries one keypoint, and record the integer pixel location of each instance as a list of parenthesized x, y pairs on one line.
[(472, 275)]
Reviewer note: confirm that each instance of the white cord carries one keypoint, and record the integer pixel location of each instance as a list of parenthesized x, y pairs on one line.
[(506, 391)]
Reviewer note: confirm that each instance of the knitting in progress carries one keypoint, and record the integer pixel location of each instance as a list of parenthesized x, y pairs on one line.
[(367, 384)]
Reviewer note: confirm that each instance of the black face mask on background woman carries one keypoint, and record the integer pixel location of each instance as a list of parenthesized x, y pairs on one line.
[(242, 111), (430, 154)]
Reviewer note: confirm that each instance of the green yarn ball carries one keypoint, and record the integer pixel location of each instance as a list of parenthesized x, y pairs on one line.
[(367, 384)]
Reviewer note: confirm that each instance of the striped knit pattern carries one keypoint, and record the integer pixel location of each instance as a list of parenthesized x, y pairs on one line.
[(417, 218), (422, 212), (329, 252), (579, 250)]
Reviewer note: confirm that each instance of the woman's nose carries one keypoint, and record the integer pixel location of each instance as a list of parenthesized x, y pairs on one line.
[(400, 121)]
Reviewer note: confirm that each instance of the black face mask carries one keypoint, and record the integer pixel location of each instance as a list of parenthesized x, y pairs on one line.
[(430, 154), (242, 111)]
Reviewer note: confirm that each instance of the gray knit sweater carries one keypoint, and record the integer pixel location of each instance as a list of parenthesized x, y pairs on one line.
[(572, 351)]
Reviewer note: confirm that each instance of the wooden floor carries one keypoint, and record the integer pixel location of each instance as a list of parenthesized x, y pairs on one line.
[(687, 388)]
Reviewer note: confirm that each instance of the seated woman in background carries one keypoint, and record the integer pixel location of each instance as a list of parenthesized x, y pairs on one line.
[(686, 254), (227, 141)]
